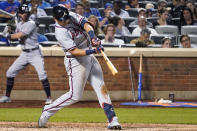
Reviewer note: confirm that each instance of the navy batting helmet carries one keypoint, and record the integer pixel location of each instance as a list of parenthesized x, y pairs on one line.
[(23, 9), (60, 13)]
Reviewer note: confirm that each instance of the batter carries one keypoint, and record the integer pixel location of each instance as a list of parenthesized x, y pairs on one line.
[(76, 37)]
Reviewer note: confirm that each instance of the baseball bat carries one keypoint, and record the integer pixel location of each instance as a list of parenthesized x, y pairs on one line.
[(140, 79), (109, 64), (131, 78)]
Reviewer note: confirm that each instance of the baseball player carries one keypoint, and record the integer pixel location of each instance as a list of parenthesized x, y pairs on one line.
[(73, 32), (26, 33)]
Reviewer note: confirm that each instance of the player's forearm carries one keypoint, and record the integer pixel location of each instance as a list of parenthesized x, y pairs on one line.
[(88, 27), (18, 35), (78, 52)]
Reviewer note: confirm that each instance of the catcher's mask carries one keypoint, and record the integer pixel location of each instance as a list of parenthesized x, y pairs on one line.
[(60, 13)]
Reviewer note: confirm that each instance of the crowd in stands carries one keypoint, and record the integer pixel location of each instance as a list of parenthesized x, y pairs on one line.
[(119, 22)]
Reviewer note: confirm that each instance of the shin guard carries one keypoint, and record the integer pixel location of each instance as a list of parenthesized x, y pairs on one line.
[(109, 111)]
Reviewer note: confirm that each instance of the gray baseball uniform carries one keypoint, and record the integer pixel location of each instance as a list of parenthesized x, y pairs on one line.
[(31, 53), (80, 69)]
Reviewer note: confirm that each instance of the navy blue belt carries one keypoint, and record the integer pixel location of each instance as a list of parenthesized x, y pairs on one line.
[(30, 50)]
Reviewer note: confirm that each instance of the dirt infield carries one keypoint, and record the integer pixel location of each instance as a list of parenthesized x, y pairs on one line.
[(32, 126)]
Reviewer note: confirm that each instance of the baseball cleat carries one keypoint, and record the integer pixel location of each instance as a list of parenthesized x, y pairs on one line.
[(114, 125), (42, 122), (5, 99), (48, 101)]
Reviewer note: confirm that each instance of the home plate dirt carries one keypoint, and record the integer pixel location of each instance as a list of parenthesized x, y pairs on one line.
[(60, 126)]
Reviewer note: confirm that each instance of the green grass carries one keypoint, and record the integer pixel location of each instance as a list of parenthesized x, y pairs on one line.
[(126, 115)]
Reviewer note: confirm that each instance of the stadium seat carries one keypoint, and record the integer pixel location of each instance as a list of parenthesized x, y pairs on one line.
[(41, 29), (133, 12), (111, 45), (101, 36), (131, 28), (191, 30), (167, 30), (128, 46), (193, 39), (2, 26), (3, 43), (175, 21), (48, 43), (101, 10), (152, 19), (51, 36), (94, 4), (158, 39), (128, 38), (52, 28), (129, 20), (46, 20), (49, 11)]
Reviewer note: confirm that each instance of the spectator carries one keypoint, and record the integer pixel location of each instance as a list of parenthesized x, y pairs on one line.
[(190, 4), (91, 11), (144, 39), (107, 11), (95, 23), (149, 9), (166, 42), (185, 41), (163, 15), (109, 32), (9, 6), (176, 8), (120, 27), (118, 11), (141, 12), (67, 3), (80, 9), (142, 25), (132, 4), (163, 4), (40, 4), (187, 18), (36, 11)]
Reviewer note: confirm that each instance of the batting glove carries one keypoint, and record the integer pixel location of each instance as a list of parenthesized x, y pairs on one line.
[(98, 49), (96, 42)]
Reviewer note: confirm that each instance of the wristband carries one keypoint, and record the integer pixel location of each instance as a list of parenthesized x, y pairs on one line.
[(88, 52), (91, 34)]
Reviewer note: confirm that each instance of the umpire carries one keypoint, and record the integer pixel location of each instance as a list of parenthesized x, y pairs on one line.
[(26, 33)]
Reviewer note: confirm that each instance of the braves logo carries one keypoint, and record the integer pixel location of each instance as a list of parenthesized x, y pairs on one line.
[(75, 33)]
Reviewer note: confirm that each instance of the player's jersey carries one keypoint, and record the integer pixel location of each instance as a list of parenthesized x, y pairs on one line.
[(29, 29), (72, 35)]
